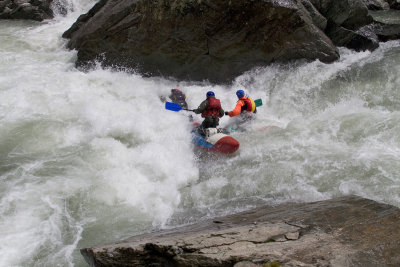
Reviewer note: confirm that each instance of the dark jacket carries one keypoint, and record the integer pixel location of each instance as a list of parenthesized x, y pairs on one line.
[(178, 97)]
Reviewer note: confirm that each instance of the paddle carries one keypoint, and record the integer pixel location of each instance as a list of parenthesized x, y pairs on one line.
[(175, 107), (258, 102)]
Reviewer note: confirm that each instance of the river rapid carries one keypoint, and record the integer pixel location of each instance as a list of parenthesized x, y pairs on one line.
[(94, 157)]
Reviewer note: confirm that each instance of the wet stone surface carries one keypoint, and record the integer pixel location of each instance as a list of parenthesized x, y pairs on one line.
[(346, 231)]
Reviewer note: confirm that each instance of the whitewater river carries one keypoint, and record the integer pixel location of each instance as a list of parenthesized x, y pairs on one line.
[(90, 158)]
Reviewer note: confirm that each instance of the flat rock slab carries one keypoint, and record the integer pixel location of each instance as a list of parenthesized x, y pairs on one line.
[(346, 231), (386, 16)]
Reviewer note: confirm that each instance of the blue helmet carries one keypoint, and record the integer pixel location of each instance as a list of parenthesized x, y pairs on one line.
[(210, 93), (240, 93)]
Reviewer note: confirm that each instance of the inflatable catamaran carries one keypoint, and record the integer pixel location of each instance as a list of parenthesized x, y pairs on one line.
[(212, 139), (215, 141)]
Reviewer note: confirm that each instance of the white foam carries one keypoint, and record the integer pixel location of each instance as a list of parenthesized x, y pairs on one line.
[(84, 153)]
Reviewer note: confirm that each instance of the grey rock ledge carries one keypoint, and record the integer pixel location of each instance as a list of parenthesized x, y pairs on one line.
[(346, 231)]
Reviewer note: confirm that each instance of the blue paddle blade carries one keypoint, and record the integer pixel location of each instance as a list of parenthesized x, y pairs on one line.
[(258, 102), (172, 106)]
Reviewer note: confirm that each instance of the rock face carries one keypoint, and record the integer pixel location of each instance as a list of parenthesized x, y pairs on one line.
[(363, 39), (386, 24), (394, 4), (198, 39), (347, 231), (26, 9), (350, 14), (376, 4), (217, 40)]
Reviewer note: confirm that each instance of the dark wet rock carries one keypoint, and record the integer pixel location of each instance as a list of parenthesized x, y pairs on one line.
[(319, 20), (360, 40), (219, 40), (346, 231), (394, 4), (213, 40), (389, 17), (26, 9), (386, 32), (349, 14), (387, 24), (376, 4), (352, 25)]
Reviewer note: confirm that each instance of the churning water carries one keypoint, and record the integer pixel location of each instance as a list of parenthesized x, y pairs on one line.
[(89, 158)]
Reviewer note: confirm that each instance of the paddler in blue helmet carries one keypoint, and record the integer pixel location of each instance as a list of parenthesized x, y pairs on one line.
[(244, 111), (210, 110)]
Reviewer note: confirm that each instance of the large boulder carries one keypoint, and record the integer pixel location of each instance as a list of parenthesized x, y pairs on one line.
[(363, 39), (26, 9), (214, 40), (348, 23), (347, 231), (349, 14), (319, 20), (386, 24)]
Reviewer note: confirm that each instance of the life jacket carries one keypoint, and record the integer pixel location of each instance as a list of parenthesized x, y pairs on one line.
[(249, 105), (214, 105)]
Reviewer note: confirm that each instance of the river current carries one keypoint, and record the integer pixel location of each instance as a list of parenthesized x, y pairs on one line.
[(93, 157)]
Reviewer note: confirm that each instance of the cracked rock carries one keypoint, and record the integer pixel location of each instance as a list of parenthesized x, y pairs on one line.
[(347, 231)]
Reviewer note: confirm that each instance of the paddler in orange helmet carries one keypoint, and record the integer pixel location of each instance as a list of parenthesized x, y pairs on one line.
[(245, 106)]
